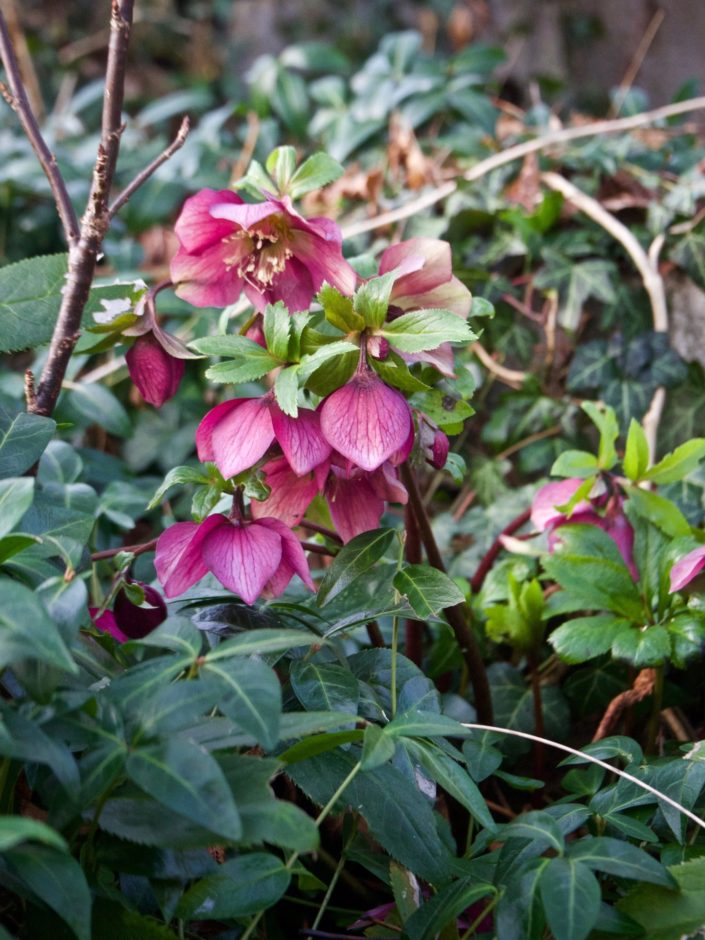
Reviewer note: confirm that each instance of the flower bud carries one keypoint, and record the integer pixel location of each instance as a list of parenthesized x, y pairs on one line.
[(155, 373), (136, 621)]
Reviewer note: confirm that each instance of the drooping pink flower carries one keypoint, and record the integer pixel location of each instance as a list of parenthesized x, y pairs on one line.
[(367, 421), (357, 499), (687, 568), (267, 249), (546, 517), (156, 373), (248, 558), (238, 433), (290, 495), (128, 621)]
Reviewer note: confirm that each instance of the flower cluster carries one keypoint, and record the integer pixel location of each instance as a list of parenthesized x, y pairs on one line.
[(348, 441)]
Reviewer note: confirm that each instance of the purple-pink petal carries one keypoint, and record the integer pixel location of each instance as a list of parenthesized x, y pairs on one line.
[(242, 436), (106, 623), (244, 215), (437, 265), (366, 420), (243, 557), (204, 431), (354, 505), (687, 568), (290, 495), (294, 287), (178, 560), (205, 280), (196, 228), (324, 260), (156, 374), (300, 439), (543, 508), (293, 560)]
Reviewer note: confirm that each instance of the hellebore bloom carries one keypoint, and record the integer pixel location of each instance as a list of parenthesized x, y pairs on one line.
[(547, 518), (128, 621), (687, 568), (238, 433), (156, 373), (267, 249), (248, 558), (367, 421), (290, 494), (357, 499)]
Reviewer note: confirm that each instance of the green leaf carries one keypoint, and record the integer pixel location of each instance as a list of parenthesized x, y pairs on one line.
[(616, 857), (606, 422), (338, 310), (261, 642), (371, 300), (405, 889), (540, 827), (276, 325), (424, 724), (280, 165), (575, 463), (649, 646), (678, 464), (571, 898), (325, 686), (593, 366), (427, 589), (16, 497), (178, 476), (23, 438), (443, 410), (636, 454), (377, 747), (427, 329), (250, 696), (313, 361), (321, 743), (27, 631), (584, 638), (243, 885), (444, 908), (30, 293), (317, 171), (660, 511), (15, 830), (670, 915), (286, 390), (689, 253), (353, 560), (186, 779), (95, 404), (454, 779), (58, 880)]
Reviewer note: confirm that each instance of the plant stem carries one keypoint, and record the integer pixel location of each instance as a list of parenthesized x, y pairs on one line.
[(478, 579), (655, 718), (395, 648), (480, 917), (413, 647), (331, 887), (460, 616), (538, 714), (133, 549)]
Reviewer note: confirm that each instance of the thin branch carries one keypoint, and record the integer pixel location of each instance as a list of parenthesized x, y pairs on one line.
[(176, 144), (17, 98), (133, 549), (637, 61), (519, 151), (83, 253), (511, 377), (591, 760), (647, 264), (478, 579), (317, 549)]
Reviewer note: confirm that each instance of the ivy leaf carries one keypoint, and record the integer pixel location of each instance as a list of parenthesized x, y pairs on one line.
[(426, 329), (592, 367), (353, 560), (689, 253), (23, 438), (427, 589)]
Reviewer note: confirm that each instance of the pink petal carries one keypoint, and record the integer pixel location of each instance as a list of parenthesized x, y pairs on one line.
[(387, 485), (620, 530), (108, 624), (354, 505), (243, 557), (290, 494), (366, 421), (400, 455), (196, 228), (204, 432), (204, 279), (543, 508), (686, 568), (324, 260), (242, 436), (178, 558), (436, 270), (300, 439), (246, 215), (453, 296), (155, 373), (441, 358), (293, 286), (439, 450), (293, 559)]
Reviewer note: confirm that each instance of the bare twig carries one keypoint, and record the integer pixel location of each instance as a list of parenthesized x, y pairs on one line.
[(645, 263), (553, 139), (133, 549), (17, 98), (642, 687), (478, 579), (176, 144), (511, 377), (637, 61)]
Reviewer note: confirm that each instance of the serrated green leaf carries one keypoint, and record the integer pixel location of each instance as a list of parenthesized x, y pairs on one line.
[(428, 590), (280, 165), (243, 885), (377, 748), (606, 422), (325, 686), (371, 300), (678, 464), (584, 638), (276, 324), (444, 908), (353, 560), (17, 829), (313, 361), (338, 310), (178, 476), (670, 915), (260, 642), (636, 454), (30, 296), (648, 646), (23, 438), (426, 329), (616, 857), (664, 514), (317, 171), (538, 826), (248, 369), (286, 390), (186, 779)]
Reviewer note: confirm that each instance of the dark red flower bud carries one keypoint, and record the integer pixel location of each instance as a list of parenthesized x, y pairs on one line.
[(137, 621), (155, 373)]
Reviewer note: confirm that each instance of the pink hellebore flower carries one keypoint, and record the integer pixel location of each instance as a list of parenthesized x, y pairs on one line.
[(248, 558), (433, 285), (126, 621), (687, 568), (367, 421), (266, 249), (156, 373), (238, 433), (290, 493), (547, 518)]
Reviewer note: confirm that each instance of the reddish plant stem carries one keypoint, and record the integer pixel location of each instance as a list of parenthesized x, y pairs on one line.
[(375, 634), (413, 629), (134, 549), (460, 616), (321, 530), (478, 579), (538, 714)]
